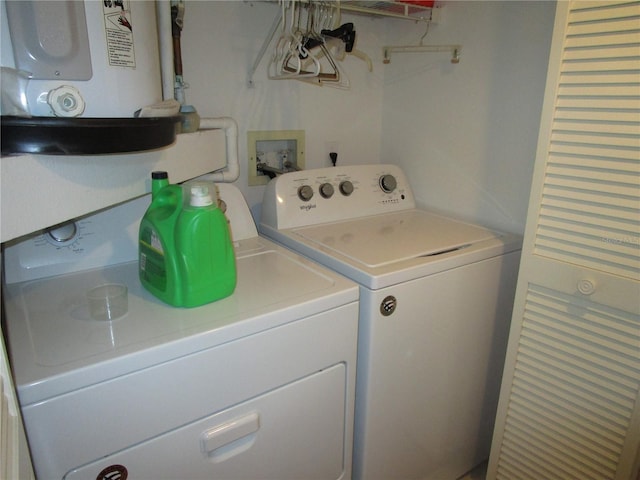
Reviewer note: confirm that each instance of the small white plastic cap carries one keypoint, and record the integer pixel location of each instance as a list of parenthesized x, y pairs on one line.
[(66, 101), (200, 196)]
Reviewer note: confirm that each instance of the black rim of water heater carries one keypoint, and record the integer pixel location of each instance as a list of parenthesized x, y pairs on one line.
[(85, 136)]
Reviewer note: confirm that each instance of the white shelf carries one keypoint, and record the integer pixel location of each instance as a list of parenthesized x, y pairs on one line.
[(38, 191), (408, 11)]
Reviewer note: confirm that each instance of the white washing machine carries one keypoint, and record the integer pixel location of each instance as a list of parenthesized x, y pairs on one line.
[(259, 385), (435, 304)]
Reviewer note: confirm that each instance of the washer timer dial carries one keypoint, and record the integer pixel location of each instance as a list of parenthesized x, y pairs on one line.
[(388, 183), (61, 234)]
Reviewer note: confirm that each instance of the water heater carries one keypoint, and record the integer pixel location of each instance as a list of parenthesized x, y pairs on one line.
[(93, 58)]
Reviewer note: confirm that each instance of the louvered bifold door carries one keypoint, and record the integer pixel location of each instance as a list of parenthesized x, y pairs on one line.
[(570, 402), (15, 460)]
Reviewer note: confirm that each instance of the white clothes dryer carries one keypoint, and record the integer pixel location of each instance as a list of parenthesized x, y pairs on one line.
[(259, 385), (435, 304)]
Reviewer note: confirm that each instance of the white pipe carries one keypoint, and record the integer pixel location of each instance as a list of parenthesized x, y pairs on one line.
[(232, 171), (165, 43)]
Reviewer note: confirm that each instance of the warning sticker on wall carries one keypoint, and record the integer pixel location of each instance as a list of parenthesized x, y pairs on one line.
[(119, 30)]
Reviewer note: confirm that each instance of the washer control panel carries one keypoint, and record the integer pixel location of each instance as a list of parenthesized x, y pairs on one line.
[(312, 197)]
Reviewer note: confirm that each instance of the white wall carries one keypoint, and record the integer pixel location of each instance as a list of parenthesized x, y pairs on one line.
[(220, 42), (465, 133)]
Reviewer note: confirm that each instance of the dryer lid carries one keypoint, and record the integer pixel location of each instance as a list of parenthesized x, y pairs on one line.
[(382, 240), (56, 346)]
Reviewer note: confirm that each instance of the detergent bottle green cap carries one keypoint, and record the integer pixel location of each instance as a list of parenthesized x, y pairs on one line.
[(186, 256)]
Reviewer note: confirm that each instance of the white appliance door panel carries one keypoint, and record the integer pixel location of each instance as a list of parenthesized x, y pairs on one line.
[(429, 373), (77, 428), (284, 434)]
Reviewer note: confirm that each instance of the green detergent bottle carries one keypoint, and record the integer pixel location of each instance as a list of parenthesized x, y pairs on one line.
[(185, 249)]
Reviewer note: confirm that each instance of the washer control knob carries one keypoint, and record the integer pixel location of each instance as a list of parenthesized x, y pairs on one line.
[(388, 183), (586, 286), (346, 188), (326, 190), (63, 233), (305, 193)]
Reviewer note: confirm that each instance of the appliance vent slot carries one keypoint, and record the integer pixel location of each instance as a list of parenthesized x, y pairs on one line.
[(576, 380), (590, 201)]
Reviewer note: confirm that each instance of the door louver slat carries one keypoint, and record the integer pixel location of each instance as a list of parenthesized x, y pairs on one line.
[(606, 40), (601, 80), (615, 117), (602, 52)]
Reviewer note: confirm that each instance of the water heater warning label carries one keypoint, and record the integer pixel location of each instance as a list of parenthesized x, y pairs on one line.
[(119, 31)]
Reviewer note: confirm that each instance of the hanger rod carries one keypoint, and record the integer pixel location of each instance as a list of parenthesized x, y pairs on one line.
[(454, 49)]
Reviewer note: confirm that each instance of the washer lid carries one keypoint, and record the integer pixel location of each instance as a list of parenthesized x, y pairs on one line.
[(382, 240)]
